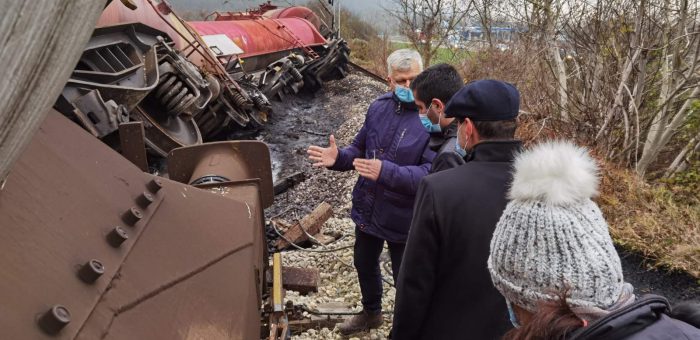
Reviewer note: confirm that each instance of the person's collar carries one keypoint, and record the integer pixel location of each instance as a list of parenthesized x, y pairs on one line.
[(404, 106), (625, 321), (495, 151), (450, 130)]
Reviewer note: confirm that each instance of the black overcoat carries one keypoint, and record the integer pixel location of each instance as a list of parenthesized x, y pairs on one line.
[(444, 289)]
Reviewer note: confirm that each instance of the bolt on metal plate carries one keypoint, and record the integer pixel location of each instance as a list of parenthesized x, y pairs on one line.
[(91, 271), (117, 236), (154, 185), (132, 216), (144, 200), (54, 319)]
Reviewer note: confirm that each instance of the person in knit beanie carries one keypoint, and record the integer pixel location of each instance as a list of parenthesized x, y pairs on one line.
[(553, 260)]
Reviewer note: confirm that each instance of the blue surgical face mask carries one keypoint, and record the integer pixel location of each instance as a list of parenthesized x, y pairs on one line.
[(458, 148), (511, 315), (427, 123), (404, 94)]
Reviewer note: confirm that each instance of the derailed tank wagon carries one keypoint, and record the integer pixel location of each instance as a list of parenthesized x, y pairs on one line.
[(190, 82), (95, 246)]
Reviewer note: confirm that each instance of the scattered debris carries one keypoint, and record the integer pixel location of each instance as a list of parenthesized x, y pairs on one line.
[(289, 182), (301, 280), (309, 225), (324, 239)]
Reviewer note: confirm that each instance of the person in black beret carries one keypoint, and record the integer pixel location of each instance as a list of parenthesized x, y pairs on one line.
[(444, 289)]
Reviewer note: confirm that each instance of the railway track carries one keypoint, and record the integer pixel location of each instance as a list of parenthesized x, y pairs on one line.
[(367, 72)]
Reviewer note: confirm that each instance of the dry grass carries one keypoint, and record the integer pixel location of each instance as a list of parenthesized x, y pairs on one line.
[(647, 219)]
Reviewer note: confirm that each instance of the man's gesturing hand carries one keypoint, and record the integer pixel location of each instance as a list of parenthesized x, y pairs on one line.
[(368, 168), (323, 156)]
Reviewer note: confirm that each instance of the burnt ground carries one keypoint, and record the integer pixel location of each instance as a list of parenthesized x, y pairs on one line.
[(648, 280), (310, 119), (339, 108)]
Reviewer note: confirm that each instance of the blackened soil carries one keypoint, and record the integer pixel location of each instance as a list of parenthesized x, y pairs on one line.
[(309, 119), (675, 287)]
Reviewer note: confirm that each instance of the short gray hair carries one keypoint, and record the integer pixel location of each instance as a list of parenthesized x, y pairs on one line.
[(402, 60)]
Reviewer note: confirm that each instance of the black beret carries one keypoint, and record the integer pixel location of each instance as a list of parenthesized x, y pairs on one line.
[(485, 100)]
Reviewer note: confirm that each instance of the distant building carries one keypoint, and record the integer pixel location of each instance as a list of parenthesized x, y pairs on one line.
[(501, 34)]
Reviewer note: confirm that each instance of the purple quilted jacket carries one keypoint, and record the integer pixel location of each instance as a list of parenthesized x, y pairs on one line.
[(393, 133)]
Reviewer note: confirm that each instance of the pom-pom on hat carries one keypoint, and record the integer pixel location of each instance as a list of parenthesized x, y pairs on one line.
[(551, 236), (485, 100)]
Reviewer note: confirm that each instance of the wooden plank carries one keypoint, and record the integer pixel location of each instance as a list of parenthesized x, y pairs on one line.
[(311, 223), (133, 142)]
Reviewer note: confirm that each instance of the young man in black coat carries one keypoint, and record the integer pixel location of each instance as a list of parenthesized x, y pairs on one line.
[(444, 289), (432, 89)]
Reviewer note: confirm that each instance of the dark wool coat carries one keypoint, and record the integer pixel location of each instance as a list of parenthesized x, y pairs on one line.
[(444, 288), (393, 133), (443, 143), (646, 319)]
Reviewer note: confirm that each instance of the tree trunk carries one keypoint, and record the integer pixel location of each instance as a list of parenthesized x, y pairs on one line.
[(41, 43), (560, 74), (620, 93), (666, 123), (665, 133), (680, 163)]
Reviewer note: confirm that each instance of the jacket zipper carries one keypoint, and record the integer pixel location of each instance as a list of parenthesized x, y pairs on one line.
[(398, 144)]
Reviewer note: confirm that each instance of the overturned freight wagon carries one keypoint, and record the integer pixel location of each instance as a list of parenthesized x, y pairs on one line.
[(190, 82)]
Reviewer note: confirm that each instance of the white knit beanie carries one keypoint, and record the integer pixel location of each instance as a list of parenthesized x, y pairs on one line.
[(551, 235)]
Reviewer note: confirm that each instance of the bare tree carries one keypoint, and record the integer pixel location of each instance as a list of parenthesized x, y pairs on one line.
[(679, 82), (428, 24), (682, 160), (631, 77)]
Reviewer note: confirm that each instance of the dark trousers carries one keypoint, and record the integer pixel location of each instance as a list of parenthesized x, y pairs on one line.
[(366, 258)]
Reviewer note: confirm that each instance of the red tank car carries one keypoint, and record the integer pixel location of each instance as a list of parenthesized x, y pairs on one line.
[(263, 40)]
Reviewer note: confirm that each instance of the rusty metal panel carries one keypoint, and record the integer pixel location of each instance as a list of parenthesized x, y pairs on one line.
[(133, 140), (248, 192), (205, 306), (186, 248)]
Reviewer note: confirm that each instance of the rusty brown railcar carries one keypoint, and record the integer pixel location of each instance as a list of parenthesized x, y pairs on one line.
[(186, 263)]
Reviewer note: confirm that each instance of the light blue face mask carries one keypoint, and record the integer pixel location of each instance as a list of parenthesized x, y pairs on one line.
[(427, 123), (458, 148), (404, 94), (511, 315)]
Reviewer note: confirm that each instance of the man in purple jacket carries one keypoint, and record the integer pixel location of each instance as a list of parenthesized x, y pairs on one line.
[(391, 155)]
